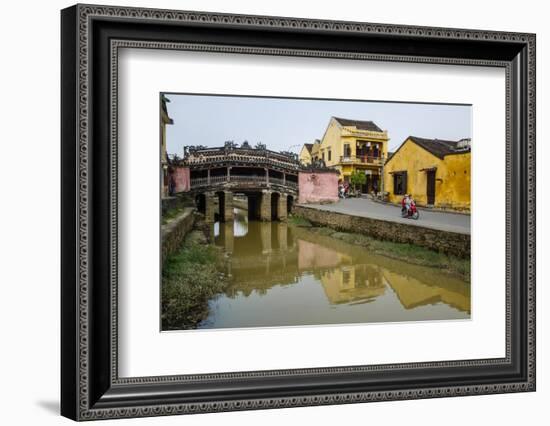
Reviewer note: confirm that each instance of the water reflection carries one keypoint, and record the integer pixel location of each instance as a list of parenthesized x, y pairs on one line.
[(283, 275)]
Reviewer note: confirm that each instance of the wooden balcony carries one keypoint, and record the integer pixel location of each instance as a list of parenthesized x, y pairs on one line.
[(361, 159)]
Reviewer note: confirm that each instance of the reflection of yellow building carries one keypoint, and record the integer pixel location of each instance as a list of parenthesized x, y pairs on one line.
[(436, 173), (364, 282), (413, 293), (350, 145), (268, 254), (353, 284)]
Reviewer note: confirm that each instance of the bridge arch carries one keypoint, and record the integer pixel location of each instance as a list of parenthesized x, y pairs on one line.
[(275, 200), (200, 202), (289, 203), (219, 213), (254, 205)]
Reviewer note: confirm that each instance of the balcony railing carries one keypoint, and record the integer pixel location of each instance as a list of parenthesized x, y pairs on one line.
[(213, 180), (246, 179), (363, 159), (277, 181)]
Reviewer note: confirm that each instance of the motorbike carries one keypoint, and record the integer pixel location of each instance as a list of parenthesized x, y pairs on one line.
[(343, 191), (412, 213)]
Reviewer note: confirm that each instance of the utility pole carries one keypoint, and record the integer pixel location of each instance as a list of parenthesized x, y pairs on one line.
[(382, 176)]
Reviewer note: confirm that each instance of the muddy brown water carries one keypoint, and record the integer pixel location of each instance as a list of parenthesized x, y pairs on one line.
[(282, 275)]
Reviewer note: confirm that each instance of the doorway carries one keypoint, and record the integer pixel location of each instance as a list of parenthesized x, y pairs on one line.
[(430, 189)]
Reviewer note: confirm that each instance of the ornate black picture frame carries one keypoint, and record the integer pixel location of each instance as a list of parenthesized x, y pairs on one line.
[(91, 36)]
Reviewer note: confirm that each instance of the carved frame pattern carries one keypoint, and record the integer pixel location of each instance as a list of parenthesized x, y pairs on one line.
[(85, 14)]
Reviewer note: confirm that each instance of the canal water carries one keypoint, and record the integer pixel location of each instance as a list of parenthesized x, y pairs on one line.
[(282, 275)]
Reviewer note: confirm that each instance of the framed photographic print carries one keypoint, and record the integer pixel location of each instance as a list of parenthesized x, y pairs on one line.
[(263, 212)]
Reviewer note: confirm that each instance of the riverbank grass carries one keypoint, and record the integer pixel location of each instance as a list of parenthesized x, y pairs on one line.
[(172, 214), (409, 253), (190, 277), (299, 221)]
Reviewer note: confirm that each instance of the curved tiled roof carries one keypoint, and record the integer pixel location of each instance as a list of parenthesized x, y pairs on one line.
[(359, 124), (308, 146), (438, 147)]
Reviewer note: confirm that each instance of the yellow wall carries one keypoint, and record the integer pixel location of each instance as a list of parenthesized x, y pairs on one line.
[(454, 191), (315, 151), (452, 185), (305, 156), (332, 141)]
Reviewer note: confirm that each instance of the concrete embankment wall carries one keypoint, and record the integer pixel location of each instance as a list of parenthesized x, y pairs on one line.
[(177, 201), (174, 232), (442, 241)]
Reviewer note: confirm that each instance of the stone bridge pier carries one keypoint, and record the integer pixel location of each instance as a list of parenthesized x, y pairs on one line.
[(220, 202), (209, 207), (226, 206), (282, 207), (265, 205), (273, 206)]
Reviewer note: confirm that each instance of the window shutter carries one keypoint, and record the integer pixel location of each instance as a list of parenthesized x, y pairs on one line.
[(405, 183)]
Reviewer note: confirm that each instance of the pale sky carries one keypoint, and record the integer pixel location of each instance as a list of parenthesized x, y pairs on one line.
[(285, 124)]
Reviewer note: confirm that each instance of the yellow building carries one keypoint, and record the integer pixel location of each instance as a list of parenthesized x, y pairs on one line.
[(305, 154), (435, 172), (315, 150), (309, 152), (350, 145), (164, 120)]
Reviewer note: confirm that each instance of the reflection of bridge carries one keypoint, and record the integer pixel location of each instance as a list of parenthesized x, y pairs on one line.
[(268, 179)]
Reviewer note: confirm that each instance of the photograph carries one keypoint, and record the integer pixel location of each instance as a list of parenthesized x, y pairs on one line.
[(279, 211)]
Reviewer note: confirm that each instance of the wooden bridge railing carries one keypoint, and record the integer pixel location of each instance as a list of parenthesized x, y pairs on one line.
[(214, 180)]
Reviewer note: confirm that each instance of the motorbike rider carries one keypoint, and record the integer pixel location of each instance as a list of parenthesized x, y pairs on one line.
[(346, 189), (407, 202)]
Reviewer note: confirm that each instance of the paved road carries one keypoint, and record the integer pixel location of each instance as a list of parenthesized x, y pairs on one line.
[(444, 221)]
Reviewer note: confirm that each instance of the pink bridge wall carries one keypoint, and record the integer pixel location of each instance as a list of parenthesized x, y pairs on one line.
[(317, 187), (182, 178)]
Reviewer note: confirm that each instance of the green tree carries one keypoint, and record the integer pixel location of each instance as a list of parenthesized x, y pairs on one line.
[(357, 178)]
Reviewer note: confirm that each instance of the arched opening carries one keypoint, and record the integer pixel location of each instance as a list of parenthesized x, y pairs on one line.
[(219, 212), (275, 196), (200, 203), (253, 205), (289, 204)]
